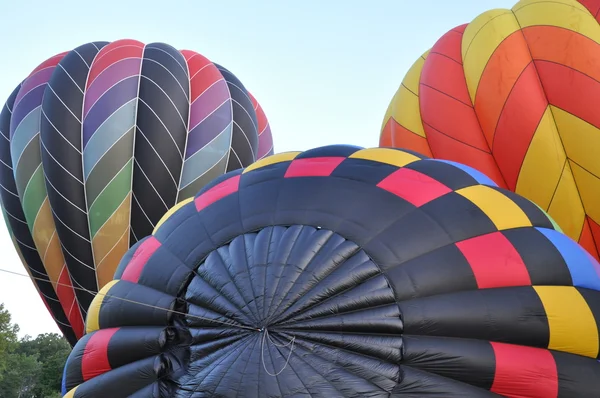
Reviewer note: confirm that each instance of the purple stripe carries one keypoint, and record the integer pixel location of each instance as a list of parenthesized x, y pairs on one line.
[(108, 78), (207, 102), (115, 98), (30, 101), (209, 129), (38, 78), (265, 142)]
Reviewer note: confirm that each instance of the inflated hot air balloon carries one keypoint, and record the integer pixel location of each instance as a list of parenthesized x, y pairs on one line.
[(99, 143), (347, 272), (515, 94)]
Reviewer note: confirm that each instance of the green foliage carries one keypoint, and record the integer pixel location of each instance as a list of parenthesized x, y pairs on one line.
[(8, 338), (30, 368), (20, 377)]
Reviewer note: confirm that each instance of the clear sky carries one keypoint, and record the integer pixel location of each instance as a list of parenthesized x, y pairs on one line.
[(323, 70)]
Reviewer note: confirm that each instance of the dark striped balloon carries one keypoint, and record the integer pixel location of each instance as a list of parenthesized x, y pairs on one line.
[(99, 143)]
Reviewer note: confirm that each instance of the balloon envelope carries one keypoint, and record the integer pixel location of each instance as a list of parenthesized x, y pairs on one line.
[(99, 142), (347, 272), (515, 95)]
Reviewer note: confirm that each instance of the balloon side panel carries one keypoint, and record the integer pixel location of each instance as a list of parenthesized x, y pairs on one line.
[(265, 137), (19, 228), (161, 132), (60, 135), (210, 126), (109, 124), (244, 142)]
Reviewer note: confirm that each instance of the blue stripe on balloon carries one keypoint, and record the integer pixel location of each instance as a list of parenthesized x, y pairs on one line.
[(584, 269), (477, 175), (26, 131), (63, 384), (107, 135)]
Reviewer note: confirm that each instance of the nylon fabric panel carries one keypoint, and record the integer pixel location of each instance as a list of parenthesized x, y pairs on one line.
[(545, 265), (402, 118), (421, 384), (412, 279), (244, 140), (128, 304), (61, 146), (265, 137), (572, 324), (470, 361), (120, 382), (210, 125), (28, 173), (449, 118), (518, 314), (130, 345), (161, 132), (110, 107), (19, 230), (576, 374), (524, 370), (289, 303)]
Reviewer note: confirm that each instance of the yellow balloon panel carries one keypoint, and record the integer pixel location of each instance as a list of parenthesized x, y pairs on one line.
[(567, 14), (545, 155), (480, 40)]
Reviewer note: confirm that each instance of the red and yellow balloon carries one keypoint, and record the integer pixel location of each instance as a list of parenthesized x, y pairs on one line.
[(515, 94)]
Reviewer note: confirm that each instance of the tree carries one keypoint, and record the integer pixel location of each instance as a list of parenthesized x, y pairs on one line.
[(52, 351), (30, 368), (8, 338), (20, 377)]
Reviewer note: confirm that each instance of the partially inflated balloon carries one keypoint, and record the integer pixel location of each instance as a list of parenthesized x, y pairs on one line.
[(515, 94), (347, 272), (99, 143)]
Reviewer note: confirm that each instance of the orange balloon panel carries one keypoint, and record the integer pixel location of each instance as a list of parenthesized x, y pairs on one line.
[(515, 94)]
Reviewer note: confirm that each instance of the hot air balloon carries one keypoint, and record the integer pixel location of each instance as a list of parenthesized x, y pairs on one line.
[(347, 272), (99, 142), (515, 95)]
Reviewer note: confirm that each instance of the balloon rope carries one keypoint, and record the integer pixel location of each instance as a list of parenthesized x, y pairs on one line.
[(132, 301), (262, 352)]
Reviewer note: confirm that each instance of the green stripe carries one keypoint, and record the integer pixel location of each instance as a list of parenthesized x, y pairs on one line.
[(109, 200), (34, 196)]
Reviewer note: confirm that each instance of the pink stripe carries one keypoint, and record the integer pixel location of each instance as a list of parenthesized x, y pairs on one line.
[(140, 259), (33, 81), (217, 192), (208, 102), (108, 78)]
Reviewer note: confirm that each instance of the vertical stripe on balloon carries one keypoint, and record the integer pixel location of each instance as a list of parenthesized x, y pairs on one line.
[(31, 184), (402, 119), (449, 118), (61, 146), (109, 123), (244, 139), (265, 138), (161, 132), (210, 125)]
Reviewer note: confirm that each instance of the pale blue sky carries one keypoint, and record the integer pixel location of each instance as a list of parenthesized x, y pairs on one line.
[(324, 71)]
